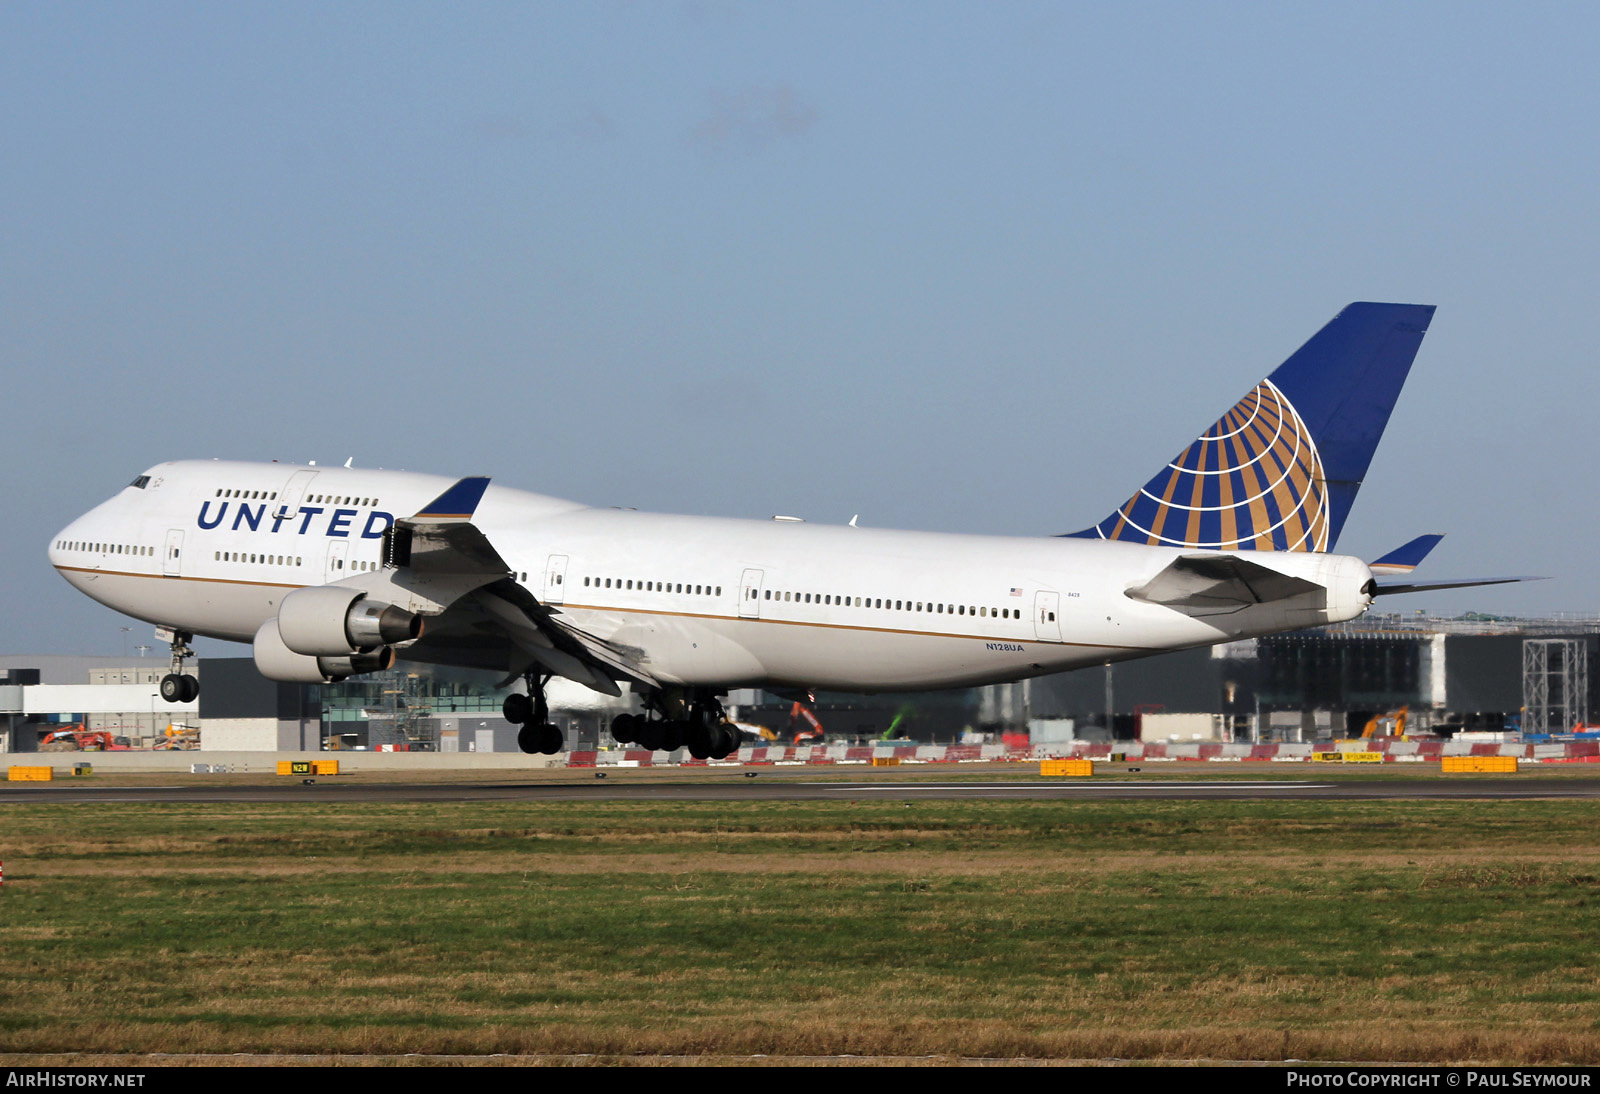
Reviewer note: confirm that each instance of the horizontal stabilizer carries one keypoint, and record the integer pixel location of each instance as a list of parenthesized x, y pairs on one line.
[(1402, 560), (1218, 585), (1389, 588)]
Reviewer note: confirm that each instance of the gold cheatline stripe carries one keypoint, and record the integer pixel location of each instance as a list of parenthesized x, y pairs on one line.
[(679, 615), (851, 627), (179, 577)]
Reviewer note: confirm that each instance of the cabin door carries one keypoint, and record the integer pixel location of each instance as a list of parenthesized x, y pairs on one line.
[(1046, 625), (750, 594), (555, 579)]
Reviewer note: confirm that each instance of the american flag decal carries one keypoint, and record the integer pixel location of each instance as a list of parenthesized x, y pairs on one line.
[(1016, 592)]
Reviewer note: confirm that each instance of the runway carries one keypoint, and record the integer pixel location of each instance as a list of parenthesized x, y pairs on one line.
[(742, 787)]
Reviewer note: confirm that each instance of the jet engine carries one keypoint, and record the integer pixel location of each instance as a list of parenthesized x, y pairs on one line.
[(276, 661), (336, 621)]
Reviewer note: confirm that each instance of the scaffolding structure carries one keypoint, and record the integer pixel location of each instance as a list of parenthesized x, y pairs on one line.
[(406, 715), (1555, 684)]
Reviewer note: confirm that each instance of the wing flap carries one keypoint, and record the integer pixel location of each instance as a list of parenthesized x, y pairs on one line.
[(601, 660)]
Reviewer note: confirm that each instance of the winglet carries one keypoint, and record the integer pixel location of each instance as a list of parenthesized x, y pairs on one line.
[(457, 503), (1402, 560)]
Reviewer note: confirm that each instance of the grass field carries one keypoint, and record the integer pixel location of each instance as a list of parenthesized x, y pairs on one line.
[(1440, 931)]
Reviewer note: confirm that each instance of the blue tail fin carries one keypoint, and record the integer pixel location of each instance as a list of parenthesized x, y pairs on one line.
[(1280, 470)]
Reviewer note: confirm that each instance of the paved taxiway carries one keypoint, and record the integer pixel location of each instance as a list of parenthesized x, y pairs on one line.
[(618, 787)]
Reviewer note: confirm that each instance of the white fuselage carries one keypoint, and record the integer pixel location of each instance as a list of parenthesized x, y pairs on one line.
[(213, 547)]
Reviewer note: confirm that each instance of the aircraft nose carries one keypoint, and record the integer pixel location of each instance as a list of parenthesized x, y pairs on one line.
[(59, 545)]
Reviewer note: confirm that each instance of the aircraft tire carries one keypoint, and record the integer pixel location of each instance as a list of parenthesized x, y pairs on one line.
[(672, 736), (551, 739), (647, 734), (528, 739), (623, 729), (171, 689), (517, 709), (188, 689)]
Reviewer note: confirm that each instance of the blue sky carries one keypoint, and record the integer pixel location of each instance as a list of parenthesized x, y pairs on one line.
[(976, 267)]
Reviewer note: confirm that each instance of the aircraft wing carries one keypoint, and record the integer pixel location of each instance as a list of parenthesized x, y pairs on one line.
[(450, 569), (442, 539), (1218, 585), (556, 644)]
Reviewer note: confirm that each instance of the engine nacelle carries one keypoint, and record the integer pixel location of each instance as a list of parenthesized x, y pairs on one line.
[(357, 663), (336, 621), (276, 661)]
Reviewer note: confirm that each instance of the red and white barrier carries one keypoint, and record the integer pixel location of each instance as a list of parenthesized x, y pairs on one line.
[(1393, 751)]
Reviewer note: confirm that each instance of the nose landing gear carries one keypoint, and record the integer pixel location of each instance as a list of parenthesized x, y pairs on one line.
[(177, 686)]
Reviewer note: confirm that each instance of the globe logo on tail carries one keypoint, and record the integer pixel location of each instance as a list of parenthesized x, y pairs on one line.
[(1253, 481)]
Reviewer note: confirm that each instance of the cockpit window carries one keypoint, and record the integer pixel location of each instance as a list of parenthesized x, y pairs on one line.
[(141, 482)]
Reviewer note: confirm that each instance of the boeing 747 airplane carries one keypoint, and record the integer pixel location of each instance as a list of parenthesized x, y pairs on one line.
[(334, 572)]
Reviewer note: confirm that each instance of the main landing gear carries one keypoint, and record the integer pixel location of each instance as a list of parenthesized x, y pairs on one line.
[(532, 713), (695, 722), (177, 686)]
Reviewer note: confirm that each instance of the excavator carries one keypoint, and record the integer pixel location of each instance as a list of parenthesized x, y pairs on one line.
[(810, 732), (1392, 724), (80, 738)]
